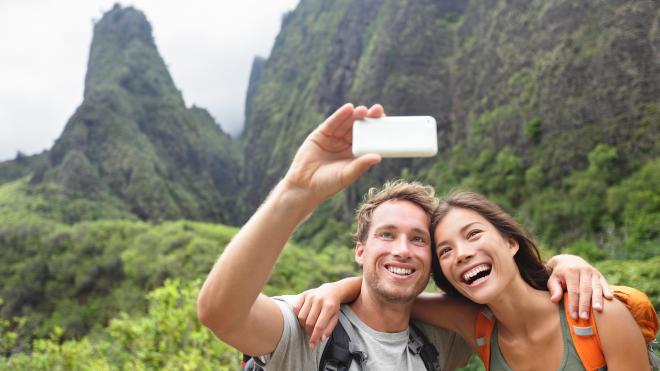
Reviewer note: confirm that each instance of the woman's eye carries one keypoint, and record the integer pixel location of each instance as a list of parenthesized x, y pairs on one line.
[(443, 250), (473, 233)]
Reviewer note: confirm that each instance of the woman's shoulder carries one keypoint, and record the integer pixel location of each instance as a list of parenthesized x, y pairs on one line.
[(620, 337), (614, 314)]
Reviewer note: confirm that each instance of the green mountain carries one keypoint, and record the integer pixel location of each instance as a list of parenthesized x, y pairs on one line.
[(528, 97), (133, 144)]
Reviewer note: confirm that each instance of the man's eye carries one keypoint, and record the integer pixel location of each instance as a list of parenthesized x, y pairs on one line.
[(419, 239), (386, 235)]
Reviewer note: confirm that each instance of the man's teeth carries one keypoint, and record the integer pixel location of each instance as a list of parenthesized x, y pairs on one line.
[(471, 275), (400, 271)]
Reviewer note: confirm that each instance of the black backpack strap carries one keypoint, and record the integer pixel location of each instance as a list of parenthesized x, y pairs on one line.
[(338, 353), (420, 344), (249, 364)]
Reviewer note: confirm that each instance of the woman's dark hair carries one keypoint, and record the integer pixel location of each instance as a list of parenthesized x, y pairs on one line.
[(527, 258)]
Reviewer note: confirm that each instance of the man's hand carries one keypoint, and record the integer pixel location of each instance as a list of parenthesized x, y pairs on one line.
[(585, 285), (324, 164)]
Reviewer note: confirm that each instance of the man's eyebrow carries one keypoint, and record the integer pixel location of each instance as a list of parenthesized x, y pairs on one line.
[(385, 226), (392, 226), (422, 231)]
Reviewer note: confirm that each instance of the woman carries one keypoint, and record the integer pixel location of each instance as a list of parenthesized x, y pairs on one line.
[(483, 256)]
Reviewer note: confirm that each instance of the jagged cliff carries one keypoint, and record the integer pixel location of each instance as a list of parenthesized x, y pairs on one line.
[(133, 140), (533, 99), (544, 81)]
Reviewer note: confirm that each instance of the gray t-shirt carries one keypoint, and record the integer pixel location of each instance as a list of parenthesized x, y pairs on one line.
[(385, 351)]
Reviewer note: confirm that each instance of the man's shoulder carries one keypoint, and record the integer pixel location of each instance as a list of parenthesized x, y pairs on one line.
[(292, 351), (289, 299)]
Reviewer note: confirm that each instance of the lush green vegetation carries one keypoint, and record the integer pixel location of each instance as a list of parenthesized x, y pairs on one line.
[(168, 336), (63, 282), (561, 128), (74, 296)]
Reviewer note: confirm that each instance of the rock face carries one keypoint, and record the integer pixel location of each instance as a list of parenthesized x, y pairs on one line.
[(133, 139), (545, 80), (523, 92)]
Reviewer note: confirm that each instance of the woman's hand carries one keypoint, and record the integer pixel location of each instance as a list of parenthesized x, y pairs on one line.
[(318, 311)]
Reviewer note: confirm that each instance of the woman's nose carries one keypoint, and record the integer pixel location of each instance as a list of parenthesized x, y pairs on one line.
[(464, 252)]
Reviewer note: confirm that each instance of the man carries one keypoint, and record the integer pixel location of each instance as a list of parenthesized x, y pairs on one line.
[(394, 253)]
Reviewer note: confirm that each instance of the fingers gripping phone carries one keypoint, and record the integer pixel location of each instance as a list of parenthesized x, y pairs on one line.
[(396, 136)]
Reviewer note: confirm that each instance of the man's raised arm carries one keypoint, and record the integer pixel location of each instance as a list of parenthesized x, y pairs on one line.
[(230, 302)]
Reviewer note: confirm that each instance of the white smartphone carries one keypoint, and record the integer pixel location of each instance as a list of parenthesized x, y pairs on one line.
[(396, 136)]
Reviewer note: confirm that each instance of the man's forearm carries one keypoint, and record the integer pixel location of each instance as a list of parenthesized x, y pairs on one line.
[(242, 271)]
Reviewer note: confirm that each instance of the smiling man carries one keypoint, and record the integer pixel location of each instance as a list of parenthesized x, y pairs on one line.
[(393, 247)]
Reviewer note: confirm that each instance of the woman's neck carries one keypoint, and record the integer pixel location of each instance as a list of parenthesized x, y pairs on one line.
[(520, 308)]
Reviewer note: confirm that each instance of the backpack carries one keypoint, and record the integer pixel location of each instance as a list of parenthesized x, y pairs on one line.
[(584, 332), (338, 353)]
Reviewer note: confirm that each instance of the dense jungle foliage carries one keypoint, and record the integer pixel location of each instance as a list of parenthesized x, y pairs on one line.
[(74, 296), (550, 108)]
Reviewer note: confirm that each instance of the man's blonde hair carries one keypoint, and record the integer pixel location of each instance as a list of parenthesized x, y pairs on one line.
[(415, 192)]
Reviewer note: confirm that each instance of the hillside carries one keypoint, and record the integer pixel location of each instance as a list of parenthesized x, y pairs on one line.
[(133, 133), (528, 96), (520, 117)]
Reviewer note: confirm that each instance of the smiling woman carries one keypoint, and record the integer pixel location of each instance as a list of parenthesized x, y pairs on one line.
[(484, 255), (476, 216)]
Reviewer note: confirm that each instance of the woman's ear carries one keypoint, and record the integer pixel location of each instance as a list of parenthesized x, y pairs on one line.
[(513, 245)]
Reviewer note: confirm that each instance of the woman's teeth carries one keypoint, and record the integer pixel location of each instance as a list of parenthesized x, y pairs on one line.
[(476, 274)]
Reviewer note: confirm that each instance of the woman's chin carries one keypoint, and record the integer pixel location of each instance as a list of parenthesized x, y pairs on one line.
[(476, 299), (479, 293)]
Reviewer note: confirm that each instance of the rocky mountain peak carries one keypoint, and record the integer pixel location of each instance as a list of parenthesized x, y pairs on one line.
[(123, 53)]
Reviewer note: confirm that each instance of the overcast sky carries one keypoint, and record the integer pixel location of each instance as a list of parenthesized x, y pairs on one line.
[(208, 46)]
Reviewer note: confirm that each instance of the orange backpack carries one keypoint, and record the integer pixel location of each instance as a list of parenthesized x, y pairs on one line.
[(584, 332)]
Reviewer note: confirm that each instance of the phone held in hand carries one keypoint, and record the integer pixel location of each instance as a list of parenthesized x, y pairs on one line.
[(396, 136)]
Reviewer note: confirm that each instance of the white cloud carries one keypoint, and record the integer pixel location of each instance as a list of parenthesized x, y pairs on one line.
[(208, 46)]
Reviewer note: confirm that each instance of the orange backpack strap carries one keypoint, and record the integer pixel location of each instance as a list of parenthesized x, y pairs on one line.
[(585, 339), (484, 326)]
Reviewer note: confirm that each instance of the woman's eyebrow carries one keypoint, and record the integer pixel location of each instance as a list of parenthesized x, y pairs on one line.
[(462, 230), (467, 226)]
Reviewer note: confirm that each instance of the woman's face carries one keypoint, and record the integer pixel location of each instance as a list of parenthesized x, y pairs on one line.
[(474, 257)]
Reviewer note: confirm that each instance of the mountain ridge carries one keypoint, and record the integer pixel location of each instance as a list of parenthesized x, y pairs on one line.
[(133, 133), (529, 98)]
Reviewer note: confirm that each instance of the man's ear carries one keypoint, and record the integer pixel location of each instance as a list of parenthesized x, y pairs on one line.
[(359, 253)]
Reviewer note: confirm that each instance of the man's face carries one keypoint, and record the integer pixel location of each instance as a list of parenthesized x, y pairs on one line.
[(396, 255)]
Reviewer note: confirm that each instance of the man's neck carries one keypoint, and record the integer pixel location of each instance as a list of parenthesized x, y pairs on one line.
[(379, 314)]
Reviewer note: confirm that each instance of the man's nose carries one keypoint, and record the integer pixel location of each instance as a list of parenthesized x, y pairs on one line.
[(402, 247)]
